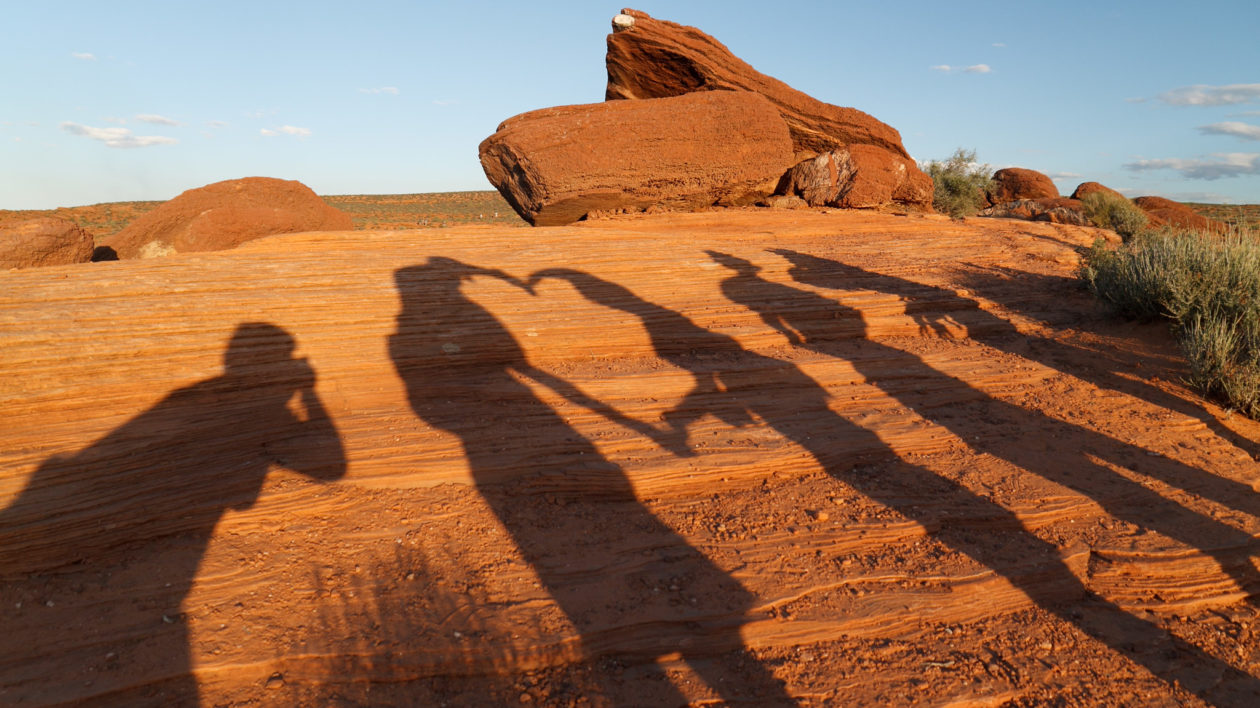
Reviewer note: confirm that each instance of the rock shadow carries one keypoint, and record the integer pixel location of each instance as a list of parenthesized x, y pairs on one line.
[(990, 426), (628, 583), (99, 550)]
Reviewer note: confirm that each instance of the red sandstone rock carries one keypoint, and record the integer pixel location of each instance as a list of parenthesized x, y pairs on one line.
[(1167, 212), (226, 214), (1087, 188), (653, 58), (556, 165), (1015, 183), (859, 176), (44, 241)]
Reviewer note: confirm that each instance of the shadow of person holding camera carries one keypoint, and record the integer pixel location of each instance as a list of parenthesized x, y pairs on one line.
[(116, 532)]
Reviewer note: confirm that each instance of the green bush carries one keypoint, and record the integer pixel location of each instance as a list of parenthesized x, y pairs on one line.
[(1208, 286), (960, 184), (1111, 211)]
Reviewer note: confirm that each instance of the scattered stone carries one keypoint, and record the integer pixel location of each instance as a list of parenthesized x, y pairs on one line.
[(1015, 183), (224, 215), (556, 165), (1057, 210), (45, 241), (275, 681)]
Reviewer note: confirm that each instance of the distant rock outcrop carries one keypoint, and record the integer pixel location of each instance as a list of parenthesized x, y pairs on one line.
[(858, 177), (651, 58), (44, 241), (1015, 183), (1166, 212), (226, 214), (1056, 210), (556, 165), (1086, 188)]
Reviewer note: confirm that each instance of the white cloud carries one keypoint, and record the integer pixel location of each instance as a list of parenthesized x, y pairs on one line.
[(117, 137), (973, 69), (1221, 164), (1000, 45), (85, 56), (157, 119), (115, 120), (287, 130), (217, 123), (1204, 95), (1063, 175), (1245, 114), (391, 90), (1246, 131)]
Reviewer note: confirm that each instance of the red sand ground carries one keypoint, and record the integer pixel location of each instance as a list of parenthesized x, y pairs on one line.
[(919, 467)]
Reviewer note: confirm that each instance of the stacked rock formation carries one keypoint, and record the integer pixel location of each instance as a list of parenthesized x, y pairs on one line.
[(44, 241), (226, 214), (836, 156)]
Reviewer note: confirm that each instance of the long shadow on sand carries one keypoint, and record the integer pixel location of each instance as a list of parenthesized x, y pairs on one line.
[(732, 383), (134, 512), (572, 513), (1101, 368)]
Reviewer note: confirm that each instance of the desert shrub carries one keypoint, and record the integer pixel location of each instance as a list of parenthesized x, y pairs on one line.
[(1208, 286), (960, 184), (1109, 211)]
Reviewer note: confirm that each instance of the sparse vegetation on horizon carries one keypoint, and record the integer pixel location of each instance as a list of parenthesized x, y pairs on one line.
[(1110, 211), (1208, 286), (960, 183)]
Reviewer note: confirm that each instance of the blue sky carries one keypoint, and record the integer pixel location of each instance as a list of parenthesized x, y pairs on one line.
[(143, 100)]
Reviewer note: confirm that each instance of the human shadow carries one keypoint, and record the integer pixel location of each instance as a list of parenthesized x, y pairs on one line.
[(1101, 368), (744, 384), (121, 526), (627, 582), (1074, 443)]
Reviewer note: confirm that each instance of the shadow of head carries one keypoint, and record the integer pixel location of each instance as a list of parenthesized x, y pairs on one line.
[(735, 263)]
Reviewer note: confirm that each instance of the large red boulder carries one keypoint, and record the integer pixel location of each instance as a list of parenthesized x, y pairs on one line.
[(556, 165), (857, 177), (1167, 212), (651, 58), (226, 214), (1086, 188), (1014, 183), (43, 241)]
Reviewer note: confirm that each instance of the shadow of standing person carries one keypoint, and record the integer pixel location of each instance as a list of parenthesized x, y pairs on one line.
[(120, 528), (793, 404), (619, 574)]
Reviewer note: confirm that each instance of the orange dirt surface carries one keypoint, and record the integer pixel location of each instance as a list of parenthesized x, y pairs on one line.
[(738, 457)]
